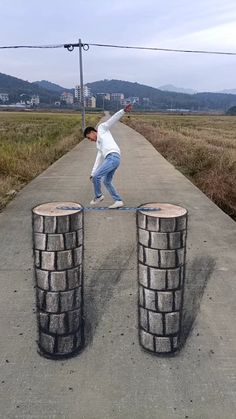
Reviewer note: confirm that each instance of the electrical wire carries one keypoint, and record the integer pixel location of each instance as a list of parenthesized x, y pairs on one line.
[(86, 46)]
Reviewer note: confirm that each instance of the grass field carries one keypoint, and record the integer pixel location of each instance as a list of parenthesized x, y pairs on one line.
[(30, 142), (203, 148)]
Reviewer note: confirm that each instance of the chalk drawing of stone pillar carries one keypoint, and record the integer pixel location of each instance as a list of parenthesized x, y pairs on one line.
[(58, 242), (161, 270)]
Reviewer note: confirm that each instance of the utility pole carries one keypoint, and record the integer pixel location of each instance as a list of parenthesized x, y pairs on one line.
[(81, 85)]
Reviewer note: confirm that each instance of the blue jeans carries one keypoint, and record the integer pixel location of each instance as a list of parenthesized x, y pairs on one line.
[(106, 171)]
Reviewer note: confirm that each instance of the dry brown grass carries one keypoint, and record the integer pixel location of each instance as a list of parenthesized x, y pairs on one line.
[(29, 143), (201, 147)]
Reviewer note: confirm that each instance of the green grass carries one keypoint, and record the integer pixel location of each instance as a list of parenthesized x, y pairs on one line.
[(30, 142), (202, 147)]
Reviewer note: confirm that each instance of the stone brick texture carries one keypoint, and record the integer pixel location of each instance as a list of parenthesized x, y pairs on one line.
[(161, 269), (58, 256)]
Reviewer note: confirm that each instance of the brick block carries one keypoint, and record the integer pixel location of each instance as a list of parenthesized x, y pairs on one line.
[(159, 240), (46, 342), (78, 297), (58, 281), (143, 236), (73, 320), (63, 224), (173, 278), (37, 223), (181, 223), (74, 277), (143, 318), (146, 340), (79, 234), (167, 225), (67, 300), (77, 254), (165, 301), (157, 279), (143, 274), (37, 256), (55, 242), (184, 236), (175, 240), (40, 299), (43, 320), (42, 280), (57, 323), (151, 257), (180, 256), (140, 293), (76, 221), (168, 258), (155, 323), (40, 241), (141, 220), (70, 240), (65, 344), (172, 323), (50, 224), (52, 302), (64, 260), (140, 253), (153, 223), (48, 261), (178, 299), (162, 344), (175, 341), (149, 299)]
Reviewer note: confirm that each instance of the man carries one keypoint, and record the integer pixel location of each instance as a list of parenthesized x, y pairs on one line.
[(107, 160)]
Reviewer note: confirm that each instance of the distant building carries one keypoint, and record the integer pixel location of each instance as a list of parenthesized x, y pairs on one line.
[(35, 100), (131, 99), (4, 97), (67, 97), (86, 91), (117, 97), (105, 96), (90, 102)]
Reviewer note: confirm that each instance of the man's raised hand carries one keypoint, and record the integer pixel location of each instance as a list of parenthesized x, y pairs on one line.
[(128, 107)]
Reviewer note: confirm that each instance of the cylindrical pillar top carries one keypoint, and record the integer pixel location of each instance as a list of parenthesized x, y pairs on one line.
[(164, 210), (57, 209)]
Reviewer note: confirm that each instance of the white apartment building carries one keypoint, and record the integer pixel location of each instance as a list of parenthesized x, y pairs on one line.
[(87, 92)]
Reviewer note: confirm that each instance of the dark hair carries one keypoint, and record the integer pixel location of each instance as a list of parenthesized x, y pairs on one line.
[(88, 130)]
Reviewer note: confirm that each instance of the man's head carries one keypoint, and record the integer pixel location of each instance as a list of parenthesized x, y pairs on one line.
[(90, 133)]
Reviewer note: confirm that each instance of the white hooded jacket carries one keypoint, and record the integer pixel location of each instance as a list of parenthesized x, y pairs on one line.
[(105, 142)]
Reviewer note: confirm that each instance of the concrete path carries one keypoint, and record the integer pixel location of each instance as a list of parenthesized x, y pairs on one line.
[(113, 377)]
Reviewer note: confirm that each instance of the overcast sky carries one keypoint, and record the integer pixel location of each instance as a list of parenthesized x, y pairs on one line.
[(182, 24)]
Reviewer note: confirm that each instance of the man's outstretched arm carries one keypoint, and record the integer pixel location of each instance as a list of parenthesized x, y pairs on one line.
[(116, 117)]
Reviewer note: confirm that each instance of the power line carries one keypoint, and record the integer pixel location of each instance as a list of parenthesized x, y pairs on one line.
[(164, 49), (32, 46), (86, 46)]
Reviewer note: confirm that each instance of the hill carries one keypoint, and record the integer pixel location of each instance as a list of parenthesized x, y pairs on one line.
[(155, 99), (164, 100), (16, 87), (171, 88), (51, 86)]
